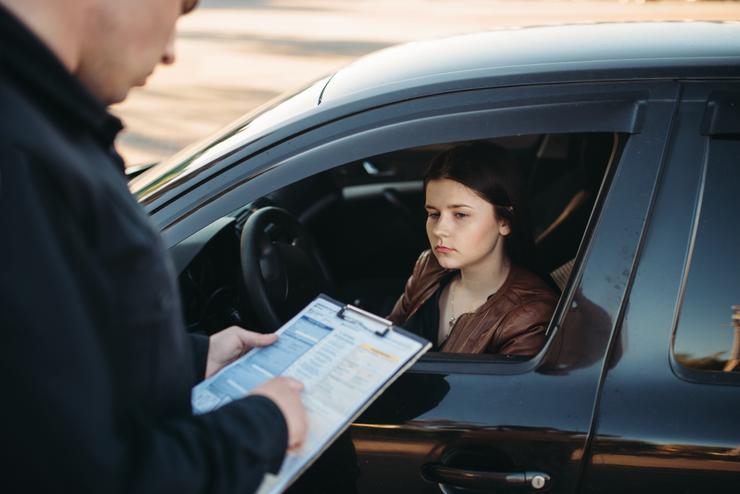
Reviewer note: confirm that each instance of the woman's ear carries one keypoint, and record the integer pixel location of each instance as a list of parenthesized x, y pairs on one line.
[(504, 227)]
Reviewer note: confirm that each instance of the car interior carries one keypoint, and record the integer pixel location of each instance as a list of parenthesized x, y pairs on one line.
[(355, 231)]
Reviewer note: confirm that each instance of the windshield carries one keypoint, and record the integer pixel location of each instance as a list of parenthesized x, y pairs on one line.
[(240, 133)]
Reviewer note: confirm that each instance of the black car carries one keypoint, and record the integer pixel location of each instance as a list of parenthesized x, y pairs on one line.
[(629, 135)]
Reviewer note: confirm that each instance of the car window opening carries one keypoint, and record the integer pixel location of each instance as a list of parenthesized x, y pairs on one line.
[(367, 220)]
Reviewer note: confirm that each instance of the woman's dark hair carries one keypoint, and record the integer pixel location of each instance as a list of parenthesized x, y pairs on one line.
[(488, 170)]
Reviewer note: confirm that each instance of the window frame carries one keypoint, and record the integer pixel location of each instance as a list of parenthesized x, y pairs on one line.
[(721, 121)]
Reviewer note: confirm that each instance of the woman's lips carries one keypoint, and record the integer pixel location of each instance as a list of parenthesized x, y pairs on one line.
[(443, 250)]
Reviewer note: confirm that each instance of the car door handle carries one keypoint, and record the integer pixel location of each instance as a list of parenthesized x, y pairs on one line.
[(476, 479)]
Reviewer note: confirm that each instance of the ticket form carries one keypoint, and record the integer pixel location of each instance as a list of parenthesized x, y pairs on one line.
[(345, 357)]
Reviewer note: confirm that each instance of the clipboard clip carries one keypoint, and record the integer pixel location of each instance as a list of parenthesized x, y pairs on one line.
[(353, 314)]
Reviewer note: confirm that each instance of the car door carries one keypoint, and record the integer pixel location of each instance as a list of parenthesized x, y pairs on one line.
[(462, 422), (667, 416)]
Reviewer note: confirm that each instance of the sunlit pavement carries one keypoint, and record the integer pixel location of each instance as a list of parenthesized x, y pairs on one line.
[(234, 55)]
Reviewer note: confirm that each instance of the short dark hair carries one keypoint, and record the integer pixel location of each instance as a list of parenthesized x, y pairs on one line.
[(490, 172)]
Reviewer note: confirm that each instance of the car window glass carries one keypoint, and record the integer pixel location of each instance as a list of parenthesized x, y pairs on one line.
[(707, 336)]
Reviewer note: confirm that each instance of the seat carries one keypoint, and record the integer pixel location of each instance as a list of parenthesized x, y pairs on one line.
[(565, 186)]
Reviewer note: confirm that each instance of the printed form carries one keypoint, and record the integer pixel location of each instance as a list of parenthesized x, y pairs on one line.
[(345, 359)]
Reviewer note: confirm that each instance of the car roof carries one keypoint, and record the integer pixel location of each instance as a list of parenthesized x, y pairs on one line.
[(531, 55), (544, 52)]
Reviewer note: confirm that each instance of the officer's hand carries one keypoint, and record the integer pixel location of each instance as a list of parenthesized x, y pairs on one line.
[(226, 346), (286, 393)]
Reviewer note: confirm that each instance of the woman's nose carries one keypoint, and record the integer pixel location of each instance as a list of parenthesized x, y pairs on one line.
[(441, 228)]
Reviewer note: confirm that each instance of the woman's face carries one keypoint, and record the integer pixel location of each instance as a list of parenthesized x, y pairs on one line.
[(462, 227)]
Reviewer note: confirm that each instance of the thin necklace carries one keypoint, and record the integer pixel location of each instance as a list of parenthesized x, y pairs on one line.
[(452, 318)]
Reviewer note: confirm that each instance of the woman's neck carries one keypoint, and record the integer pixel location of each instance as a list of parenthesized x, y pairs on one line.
[(483, 279)]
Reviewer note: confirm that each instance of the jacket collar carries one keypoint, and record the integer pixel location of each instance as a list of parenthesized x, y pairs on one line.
[(45, 79)]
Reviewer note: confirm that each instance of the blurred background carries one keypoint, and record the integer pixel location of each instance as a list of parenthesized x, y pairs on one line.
[(234, 55)]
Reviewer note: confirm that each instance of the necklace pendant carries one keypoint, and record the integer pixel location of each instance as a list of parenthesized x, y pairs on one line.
[(451, 321)]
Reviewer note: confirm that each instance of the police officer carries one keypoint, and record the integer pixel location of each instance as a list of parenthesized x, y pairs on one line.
[(96, 364)]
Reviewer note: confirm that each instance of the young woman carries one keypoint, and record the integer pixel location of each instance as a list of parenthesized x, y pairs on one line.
[(475, 290)]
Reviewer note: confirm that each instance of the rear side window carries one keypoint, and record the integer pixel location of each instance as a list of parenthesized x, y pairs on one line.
[(707, 337)]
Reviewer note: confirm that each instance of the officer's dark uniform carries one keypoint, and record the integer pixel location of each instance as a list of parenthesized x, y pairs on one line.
[(95, 364)]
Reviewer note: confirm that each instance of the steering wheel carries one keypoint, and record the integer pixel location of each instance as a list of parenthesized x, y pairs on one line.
[(281, 265)]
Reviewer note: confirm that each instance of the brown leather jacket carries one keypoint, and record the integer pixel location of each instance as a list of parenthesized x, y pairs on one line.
[(511, 322)]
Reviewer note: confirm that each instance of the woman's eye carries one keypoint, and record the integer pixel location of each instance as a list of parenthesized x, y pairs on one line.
[(433, 215), (461, 215)]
